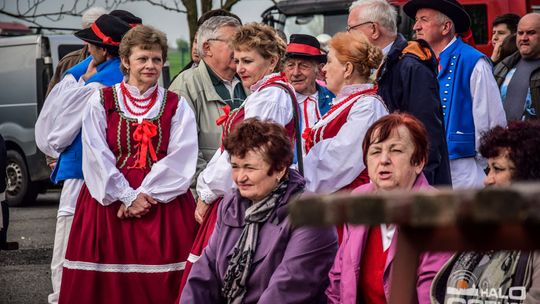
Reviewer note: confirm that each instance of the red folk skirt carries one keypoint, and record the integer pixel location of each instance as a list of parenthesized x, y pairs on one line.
[(109, 260)]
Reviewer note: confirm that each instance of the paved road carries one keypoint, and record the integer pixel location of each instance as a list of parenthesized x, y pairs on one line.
[(25, 273)]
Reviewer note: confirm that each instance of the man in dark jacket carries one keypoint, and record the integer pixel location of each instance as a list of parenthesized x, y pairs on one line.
[(407, 79), (518, 75)]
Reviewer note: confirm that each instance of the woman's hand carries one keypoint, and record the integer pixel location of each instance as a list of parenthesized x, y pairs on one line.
[(200, 210), (140, 206)]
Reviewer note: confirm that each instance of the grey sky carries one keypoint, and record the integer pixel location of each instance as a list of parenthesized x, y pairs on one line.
[(172, 23)]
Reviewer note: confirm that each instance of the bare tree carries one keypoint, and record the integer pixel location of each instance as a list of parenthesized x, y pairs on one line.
[(29, 10)]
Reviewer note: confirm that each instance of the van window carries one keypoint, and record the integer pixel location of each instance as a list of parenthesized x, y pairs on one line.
[(478, 13), (316, 24)]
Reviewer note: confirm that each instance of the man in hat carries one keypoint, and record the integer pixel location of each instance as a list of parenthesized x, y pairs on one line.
[(303, 62), (211, 85), (59, 124), (470, 99), (518, 75), (406, 65)]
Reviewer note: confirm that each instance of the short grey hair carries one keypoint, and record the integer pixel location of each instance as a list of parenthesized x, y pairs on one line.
[(379, 11), (442, 18), (208, 30), (90, 15)]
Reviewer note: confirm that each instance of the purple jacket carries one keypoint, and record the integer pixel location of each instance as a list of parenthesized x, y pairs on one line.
[(290, 264), (346, 269)]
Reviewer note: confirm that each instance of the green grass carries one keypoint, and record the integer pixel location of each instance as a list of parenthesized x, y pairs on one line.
[(176, 62)]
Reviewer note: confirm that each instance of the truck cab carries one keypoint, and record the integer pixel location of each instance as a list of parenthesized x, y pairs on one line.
[(315, 17), (27, 64)]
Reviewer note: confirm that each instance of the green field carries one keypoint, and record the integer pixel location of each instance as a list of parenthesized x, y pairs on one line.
[(176, 62)]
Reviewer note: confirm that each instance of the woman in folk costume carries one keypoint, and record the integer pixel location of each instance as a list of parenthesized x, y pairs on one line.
[(258, 51), (134, 224), (334, 144), (255, 254)]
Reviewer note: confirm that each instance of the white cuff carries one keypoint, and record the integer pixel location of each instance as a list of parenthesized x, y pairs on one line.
[(208, 197), (129, 196)]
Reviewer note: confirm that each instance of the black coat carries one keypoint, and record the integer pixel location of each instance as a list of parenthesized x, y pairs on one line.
[(408, 82), (3, 164)]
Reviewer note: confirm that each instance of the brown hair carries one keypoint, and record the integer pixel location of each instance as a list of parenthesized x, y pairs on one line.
[(145, 37), (385, 126), (523, 144), (355, 48), (265, 136), (262, 38)]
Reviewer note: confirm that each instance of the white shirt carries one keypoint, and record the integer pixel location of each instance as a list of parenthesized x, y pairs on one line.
[(334, 163), (168, 178), (272, 103), (57, 126), (488, 112)]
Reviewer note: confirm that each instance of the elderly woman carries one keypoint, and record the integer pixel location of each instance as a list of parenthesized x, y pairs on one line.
[(134, 223), (334, 144), (255, 255), (512, 154), (258, 51), (395, 151)]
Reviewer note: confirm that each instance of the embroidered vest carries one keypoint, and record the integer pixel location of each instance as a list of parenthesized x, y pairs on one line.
[(457, 63), (231, 119), (69, 164), (330, 125), (120, 130)]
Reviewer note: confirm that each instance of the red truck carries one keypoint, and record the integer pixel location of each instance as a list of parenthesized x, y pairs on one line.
[(316, 17)]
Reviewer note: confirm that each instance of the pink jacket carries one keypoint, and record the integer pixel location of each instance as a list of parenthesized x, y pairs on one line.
[(346, 269)]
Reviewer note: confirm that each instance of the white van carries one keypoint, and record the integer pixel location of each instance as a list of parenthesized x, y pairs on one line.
[(27, 64)]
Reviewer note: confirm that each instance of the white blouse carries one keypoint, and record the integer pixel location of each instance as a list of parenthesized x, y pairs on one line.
[(60, 119), (333, 163), (271, 103), (168, 178)]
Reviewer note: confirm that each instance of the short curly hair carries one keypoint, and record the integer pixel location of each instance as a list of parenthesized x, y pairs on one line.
[(146, 37), (262, 38), (265, 136), (522, 140)]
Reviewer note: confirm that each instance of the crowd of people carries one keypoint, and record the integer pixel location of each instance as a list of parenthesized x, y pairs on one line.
[(180, 195)]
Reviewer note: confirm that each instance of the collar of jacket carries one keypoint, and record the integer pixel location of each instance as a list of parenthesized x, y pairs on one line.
[(235, 206), (202, 71)]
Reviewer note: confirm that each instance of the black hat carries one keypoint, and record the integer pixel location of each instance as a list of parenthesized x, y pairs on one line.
[(127, 17), (305, 46), (107, 31), (451, 8)]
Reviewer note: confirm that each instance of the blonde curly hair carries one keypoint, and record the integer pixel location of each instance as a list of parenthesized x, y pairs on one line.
[(355, 48), (262, 38)]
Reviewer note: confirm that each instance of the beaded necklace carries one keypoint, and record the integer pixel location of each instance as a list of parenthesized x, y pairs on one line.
[(140, 103)]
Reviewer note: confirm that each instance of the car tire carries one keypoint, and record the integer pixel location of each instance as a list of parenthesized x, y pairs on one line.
[(20, 190)]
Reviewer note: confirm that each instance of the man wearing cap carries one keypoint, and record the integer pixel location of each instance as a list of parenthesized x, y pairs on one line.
[(302, 66), (470, 98), (211, 85), (59, 124), (405, 66)]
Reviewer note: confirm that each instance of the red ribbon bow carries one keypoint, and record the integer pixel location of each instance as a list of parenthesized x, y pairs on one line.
[(143, 135), (308, 141), (223, 118)]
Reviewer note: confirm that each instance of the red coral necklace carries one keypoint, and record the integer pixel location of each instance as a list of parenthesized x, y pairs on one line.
[(140, 103)]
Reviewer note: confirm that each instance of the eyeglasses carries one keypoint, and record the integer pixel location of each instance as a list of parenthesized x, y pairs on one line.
[(349, 28)]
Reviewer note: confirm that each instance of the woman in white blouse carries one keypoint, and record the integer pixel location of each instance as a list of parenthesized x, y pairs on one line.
[(258, 52), (134, 225), (334, 159)]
